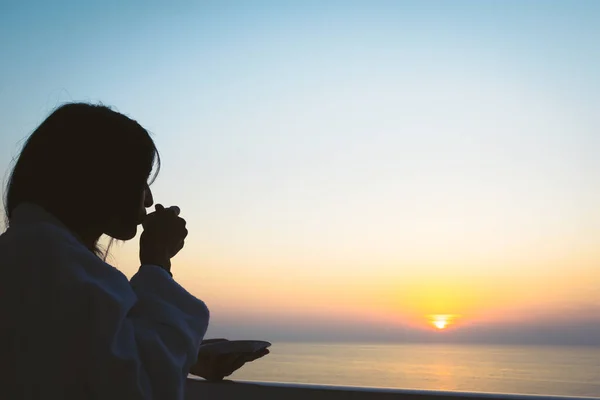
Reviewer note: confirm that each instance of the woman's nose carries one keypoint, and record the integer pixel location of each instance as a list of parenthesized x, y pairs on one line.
[(148, 199)]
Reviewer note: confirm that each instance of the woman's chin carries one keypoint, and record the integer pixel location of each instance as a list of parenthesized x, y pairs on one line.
[(123, 233)]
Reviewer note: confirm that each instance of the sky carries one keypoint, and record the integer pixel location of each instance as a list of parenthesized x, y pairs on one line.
[(349, 169)]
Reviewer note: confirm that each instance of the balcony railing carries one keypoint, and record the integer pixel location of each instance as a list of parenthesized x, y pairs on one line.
[(202, 390)]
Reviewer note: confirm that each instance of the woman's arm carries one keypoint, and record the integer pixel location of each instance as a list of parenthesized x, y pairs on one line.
[(167, 323), (142, 341), (122, 339)]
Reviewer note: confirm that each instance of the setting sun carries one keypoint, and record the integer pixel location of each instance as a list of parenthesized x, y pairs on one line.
[(440, 324), (441, 321)]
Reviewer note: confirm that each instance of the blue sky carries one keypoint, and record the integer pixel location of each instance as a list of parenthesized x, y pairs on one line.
[(374, 147)]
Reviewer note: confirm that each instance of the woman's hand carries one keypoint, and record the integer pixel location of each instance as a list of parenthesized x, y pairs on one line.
[(215, 367), (163, 236)]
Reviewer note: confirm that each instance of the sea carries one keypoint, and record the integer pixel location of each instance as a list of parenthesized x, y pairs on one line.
[(541, 370)]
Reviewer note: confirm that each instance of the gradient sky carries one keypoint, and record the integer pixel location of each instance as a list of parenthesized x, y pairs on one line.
[(349, 168)]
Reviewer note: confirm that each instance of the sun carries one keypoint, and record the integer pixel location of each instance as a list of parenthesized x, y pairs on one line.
[(440, 324), (441, 321)]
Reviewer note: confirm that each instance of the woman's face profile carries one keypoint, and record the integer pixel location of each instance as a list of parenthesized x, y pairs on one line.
[(147, 202), (124, 225)]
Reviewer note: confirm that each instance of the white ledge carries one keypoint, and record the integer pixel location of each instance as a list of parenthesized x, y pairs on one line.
[(198, 389)]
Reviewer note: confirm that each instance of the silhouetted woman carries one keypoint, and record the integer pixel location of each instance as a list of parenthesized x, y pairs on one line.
[(71, 325)]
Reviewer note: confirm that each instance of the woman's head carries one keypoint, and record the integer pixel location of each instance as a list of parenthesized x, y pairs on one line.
[(88, 166)]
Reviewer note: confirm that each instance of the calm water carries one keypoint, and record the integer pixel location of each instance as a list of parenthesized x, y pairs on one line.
[(571, 371)]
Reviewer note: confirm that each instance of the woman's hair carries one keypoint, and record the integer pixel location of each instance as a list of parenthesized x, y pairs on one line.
[(83, 164)]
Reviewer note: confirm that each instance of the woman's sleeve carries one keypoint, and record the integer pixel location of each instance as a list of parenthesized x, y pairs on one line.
[(76, 325), (144, 334)]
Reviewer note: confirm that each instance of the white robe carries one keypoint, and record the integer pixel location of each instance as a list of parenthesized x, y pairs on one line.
[(72, 326)]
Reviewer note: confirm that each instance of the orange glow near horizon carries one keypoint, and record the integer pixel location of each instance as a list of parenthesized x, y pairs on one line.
[(428, 298)]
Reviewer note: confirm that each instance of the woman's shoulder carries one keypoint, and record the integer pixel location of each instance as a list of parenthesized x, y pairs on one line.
[(36, 237), (46, 261), (32, 227), (50, 250)]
